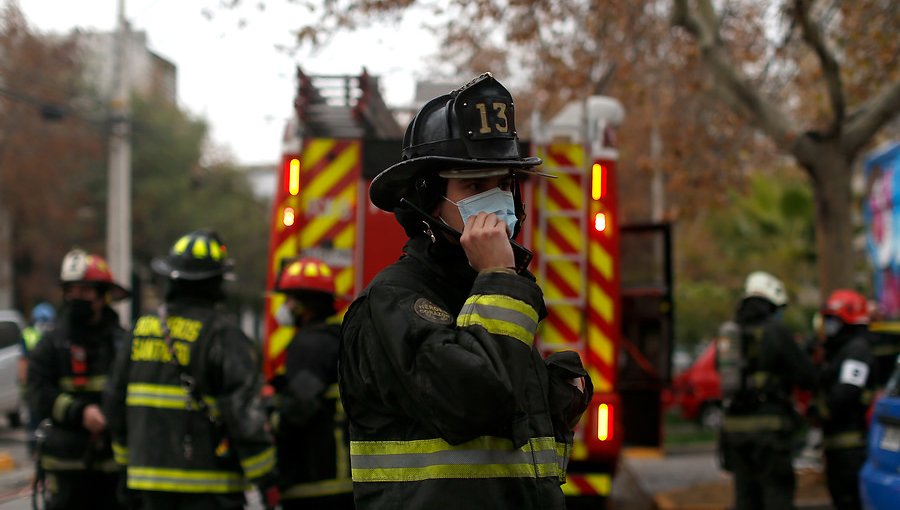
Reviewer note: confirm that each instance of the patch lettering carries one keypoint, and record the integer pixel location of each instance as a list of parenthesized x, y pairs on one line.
[(432, 312), (854, 372)]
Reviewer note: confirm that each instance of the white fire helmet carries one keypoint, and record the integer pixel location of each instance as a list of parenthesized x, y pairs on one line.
[(766, 286)]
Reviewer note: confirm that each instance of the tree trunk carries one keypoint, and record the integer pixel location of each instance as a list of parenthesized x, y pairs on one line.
[(831, 173)]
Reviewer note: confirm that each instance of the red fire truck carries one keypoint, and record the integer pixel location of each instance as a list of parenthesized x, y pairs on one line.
[(619, 320)]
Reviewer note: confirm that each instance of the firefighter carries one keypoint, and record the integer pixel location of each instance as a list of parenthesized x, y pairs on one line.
[(184, 403), (311, 436), (67, 371), (449, 402), (846, 389), (43, 317), (760, 419)]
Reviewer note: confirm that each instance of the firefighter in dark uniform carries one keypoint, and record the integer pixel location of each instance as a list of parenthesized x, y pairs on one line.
[(846, 389), (760, 419), (184, 403), (67, 371), (311, 430), (450, 404)]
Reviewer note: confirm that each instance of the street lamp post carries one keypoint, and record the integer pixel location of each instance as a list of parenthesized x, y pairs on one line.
[(118, 217)]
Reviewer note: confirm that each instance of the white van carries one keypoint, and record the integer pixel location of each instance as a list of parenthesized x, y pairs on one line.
[(11, 326)]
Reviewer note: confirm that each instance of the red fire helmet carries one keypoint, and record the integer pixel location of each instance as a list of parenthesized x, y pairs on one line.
[(849, 306), (306, 275)]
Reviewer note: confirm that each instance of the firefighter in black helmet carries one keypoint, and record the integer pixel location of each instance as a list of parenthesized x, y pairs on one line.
[(184, 403), (450, 405), (67, 372)]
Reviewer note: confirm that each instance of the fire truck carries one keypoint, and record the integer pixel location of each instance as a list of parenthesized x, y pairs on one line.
[(614, 310)]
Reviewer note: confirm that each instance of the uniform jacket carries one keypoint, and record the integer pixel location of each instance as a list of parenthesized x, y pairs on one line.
[(312, 438), (450, 405), (846, 386), (774, 365), (160, 433), (67, 371)]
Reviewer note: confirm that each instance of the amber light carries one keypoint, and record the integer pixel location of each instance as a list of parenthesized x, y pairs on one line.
[(604, 422), (598, 181), (294, 177)]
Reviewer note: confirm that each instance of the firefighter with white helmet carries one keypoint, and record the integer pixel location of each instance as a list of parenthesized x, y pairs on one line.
[(310, 427), (756, 439), (450, 403), (67, 372), (184, 403), (846, 389)]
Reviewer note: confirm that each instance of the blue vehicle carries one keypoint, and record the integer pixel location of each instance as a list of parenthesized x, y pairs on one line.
[(879, 480)]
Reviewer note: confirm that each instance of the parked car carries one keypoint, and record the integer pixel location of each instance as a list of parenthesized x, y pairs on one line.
[(696, 390), (879, 480), (11, 325)]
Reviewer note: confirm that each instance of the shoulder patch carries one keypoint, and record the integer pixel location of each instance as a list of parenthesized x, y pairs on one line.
[(854, 372), (432, 312)]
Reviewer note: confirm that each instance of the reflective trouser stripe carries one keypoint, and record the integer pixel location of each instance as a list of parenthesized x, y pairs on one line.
[(164, 396), (95, 383), (484, 457), (317, 489), (52, 463), (765, 422), (185, 480), (500, 315), (120, 453), (853, 439), (259, 464)]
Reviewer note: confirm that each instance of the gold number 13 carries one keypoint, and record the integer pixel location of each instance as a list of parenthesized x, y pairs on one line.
[(501, 125)]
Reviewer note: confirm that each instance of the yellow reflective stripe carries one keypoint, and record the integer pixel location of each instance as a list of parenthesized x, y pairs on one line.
[(484, 457), (162, 396), (754, 423), (61, 406), (259, 464), (185, 480), (852, 439), (95, 383), (317, 489), (58, 464), (120, 453), (500, 315)]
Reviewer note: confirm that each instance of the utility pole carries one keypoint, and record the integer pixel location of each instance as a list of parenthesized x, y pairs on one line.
[(118, 212)]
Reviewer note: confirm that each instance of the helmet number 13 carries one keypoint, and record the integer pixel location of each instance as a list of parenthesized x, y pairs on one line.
[(501, 125)]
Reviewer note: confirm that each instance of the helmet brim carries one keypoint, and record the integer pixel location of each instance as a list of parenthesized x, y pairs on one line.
[(163, 267), (391, 184)]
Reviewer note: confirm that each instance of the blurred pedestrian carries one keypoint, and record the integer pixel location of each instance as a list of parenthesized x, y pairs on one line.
[(184, 404), (846, 389), (450, 403), (760, 419), (311, 433), (43, 318), (67, 371)]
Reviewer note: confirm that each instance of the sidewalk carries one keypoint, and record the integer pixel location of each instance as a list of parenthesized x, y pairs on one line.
[(690, 479)]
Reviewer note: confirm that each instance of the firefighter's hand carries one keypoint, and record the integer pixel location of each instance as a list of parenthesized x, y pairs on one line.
[(93, 419), (486, 242)]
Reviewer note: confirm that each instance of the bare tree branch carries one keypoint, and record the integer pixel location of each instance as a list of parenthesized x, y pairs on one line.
[(865, 121), (704, 28), (830, 70)]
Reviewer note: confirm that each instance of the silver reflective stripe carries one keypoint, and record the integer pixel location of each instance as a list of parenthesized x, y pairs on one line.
[(418, 460)]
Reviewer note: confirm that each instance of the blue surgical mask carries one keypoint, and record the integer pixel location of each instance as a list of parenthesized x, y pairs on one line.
[(495, 201)]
